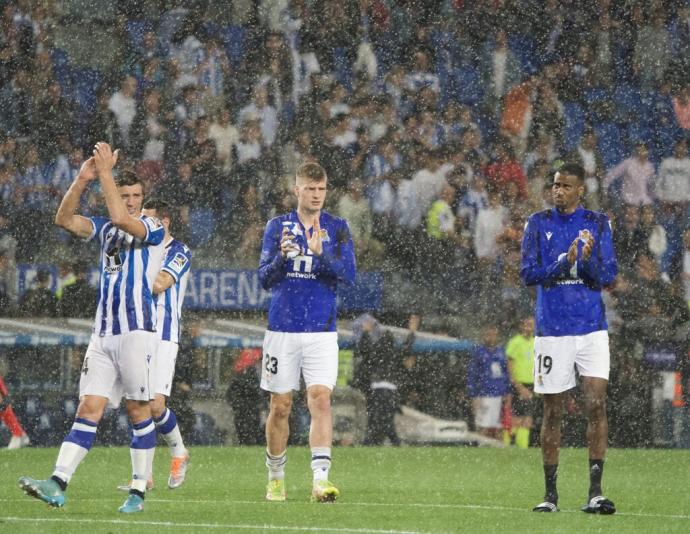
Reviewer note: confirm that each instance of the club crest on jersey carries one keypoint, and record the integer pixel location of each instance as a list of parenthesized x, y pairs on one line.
[(324, 235), (178, 262)]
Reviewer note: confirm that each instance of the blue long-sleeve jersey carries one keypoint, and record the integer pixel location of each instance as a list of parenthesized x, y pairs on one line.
[(487, 373), (568, 297), (304, 288)]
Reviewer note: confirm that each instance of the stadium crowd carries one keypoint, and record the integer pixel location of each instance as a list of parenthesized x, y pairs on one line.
[(440, 124)]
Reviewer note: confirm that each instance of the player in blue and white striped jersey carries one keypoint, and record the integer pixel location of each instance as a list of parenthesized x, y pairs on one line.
[(122, 349), (169, 288)]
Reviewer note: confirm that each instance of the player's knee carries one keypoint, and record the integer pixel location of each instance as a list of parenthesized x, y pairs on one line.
[(596, 406), (319, 400), (138, 410), (157, 407), (91, 408), (281, 407)]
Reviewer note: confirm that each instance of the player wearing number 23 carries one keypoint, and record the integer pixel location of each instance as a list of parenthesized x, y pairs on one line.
[(567, 253), (305, 255)]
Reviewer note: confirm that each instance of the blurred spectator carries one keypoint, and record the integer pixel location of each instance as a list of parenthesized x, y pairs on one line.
[(354, 207), (500, 71), (488, 384), (587, 155), (102, 123), (260, 110), (673, 192), (505, 169), (636, 175), (214, 75), (79, 298), (245, 398), (66, 276), (39, 300), (225, 135), (652, 51), (8, 258), (124, 106)]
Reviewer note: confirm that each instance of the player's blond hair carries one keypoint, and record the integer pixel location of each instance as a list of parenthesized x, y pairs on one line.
[(311, 172)]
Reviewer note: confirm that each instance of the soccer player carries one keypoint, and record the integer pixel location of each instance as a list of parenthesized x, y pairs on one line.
[(520, 353), (169, 288), (19, 438), (122, 350), (305, 255), (567, 252)]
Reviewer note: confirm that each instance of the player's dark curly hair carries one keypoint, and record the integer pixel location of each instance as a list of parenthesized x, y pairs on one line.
[(128, 178), (162, 207), (573, 169)]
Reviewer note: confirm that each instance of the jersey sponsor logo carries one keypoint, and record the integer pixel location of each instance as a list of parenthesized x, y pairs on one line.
[(113, 262), (178, 262), (308, 276), (569, 282), (548, 235)]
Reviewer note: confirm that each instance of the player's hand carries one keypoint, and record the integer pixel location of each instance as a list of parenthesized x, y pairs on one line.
[(87, 172), (572, 252), (315, 243), (287, 243), (104, 157), (588, 247)]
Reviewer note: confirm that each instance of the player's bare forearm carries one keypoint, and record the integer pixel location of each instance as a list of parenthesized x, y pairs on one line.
[(162, 282), (66, 216)]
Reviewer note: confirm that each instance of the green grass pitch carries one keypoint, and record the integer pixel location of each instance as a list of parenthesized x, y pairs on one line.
[(392, 490)]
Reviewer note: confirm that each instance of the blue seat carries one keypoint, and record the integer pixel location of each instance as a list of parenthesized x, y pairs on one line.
[(574, 118), (235, 37), (628, 102), (467, 85), (135, 30), (85, 84), (610, 143), (525, 49), (202, 226), (596, 101)]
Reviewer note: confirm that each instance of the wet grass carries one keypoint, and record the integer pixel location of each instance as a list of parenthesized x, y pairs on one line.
[(441, 489)]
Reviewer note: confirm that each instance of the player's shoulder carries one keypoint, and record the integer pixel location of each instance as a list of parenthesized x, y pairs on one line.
[(278, 220), (329, 218), (595, 216), (178, 246), (541, 215)]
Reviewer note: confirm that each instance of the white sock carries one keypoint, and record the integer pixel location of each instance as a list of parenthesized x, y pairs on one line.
[(320, 462), (143, 440), (74, 448), (149, 462), (276, 465), (69, 458), (168, 428)]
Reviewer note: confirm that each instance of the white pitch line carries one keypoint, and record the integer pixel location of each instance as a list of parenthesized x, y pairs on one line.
[(389, 505), (172, 524)]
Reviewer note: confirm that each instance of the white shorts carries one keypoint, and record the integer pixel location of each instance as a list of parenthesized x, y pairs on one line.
[(488, 414), (286, 354), (165, 367), (556, 357), (117, 366)]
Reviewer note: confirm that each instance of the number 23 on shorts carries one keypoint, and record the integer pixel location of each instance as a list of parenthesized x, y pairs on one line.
[(270, 364)]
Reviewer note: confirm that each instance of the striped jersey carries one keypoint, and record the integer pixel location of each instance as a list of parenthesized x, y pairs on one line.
[(177, 261), (128, 268), (303, 288)]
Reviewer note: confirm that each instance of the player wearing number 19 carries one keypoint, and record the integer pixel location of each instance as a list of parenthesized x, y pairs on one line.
[(567, 252), (305, 255)]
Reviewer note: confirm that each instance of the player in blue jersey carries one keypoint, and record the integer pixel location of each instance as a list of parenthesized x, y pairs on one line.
[(567, 253), (305, 255), (169, 287), (122, 349)]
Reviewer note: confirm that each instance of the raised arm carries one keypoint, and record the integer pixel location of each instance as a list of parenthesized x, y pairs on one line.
[(66, 216), (105, 159), (601, 267), (340, 264)]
